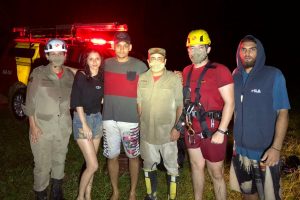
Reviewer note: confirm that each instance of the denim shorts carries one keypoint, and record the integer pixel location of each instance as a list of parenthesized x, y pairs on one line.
[(94, 121)]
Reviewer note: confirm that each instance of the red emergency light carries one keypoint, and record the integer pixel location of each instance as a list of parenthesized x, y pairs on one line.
[(97, 41), (97, 33)]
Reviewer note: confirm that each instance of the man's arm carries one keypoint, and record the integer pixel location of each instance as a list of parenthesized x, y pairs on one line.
[(35, 131), (175, 134), (30, 106), (178, 113), (282, 105), (139, 109), (139, 99), (272, 155), (281, 128), (228, 98)]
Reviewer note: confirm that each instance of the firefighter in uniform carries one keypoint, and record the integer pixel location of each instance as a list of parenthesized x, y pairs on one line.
[(48, 109), (159, 105)]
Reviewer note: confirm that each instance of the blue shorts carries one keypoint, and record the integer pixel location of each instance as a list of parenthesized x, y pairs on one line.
[(94, 121)]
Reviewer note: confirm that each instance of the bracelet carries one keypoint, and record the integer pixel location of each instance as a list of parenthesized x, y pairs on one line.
[(224, 132), (275, 148)]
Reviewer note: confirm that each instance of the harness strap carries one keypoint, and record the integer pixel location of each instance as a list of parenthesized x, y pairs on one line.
[(197, 89), (187, 89), (200, 113)]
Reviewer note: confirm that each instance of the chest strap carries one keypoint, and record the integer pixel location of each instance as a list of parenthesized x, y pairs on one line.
[(198, 109)]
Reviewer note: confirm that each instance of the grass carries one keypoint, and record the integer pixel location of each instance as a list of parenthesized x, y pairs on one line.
[(16, 166)]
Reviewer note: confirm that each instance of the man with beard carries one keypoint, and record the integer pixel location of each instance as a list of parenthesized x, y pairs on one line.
[(260, 123), (208, 105), (48, 109), (159, 106)]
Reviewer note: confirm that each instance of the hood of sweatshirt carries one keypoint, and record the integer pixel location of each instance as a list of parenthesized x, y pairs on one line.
[(260, 58)]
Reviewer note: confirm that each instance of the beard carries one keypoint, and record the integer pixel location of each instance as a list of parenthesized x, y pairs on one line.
[(198, 57), (248, 64)]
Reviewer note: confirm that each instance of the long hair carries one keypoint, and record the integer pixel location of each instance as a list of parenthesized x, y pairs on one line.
[(86, 68)]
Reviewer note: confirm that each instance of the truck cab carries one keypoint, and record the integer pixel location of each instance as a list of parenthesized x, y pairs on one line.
[(26, 51)]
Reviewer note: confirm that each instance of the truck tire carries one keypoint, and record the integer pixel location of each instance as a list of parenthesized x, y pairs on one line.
[(16, 98)]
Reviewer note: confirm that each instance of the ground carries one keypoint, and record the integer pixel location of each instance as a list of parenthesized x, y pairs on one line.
[(16, 165)]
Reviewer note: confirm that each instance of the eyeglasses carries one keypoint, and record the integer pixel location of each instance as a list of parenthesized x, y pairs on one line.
[(160, 59)]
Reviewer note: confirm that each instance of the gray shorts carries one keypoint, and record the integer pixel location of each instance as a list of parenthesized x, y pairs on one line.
[(150, 154), (115, 133), (94, 122)]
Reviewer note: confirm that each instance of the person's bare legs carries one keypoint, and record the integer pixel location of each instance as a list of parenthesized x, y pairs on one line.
[(198, 176), (88, 190), (113, 169), (216, 172), (134, 167), (88, 150)]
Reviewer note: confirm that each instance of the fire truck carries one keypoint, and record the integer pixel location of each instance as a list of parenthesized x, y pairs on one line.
[(26, 51)]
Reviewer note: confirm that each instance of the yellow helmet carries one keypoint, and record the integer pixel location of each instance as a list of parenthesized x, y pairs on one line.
[(196, 37)]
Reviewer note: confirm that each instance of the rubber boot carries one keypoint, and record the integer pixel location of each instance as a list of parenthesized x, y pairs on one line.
[(151, 184), (42, 195), (172, 186), (56, 192)]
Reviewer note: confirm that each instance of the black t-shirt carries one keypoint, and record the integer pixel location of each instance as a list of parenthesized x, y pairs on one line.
[(87, 92)]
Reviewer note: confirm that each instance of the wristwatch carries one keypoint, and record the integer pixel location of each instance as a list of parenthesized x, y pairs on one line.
[(224, 132)]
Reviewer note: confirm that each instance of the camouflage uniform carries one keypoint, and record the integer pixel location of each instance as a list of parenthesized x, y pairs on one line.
[(48, 101)]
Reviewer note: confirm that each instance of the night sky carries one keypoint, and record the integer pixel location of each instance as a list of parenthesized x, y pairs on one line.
[(166, 23)]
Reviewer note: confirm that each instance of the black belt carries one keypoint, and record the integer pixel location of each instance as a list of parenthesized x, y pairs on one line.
[(88, 113)]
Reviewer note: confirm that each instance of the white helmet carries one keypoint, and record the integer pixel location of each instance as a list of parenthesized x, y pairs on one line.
[(55, 45)]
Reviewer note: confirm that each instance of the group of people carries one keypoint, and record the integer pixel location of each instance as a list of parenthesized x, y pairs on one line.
[(148, 109)]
